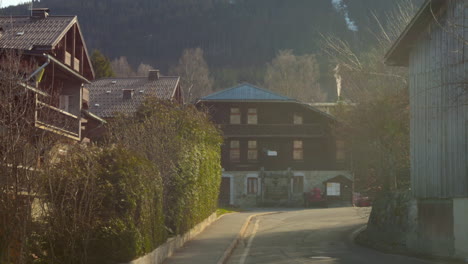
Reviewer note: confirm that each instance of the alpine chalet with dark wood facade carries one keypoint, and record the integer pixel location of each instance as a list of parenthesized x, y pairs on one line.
[(275, 148)]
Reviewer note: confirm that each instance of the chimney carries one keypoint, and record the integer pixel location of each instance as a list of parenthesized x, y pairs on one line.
[(127, 94), (40, 13), (153, 75)]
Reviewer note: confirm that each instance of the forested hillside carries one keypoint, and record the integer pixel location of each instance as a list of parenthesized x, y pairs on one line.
[(238, 36)]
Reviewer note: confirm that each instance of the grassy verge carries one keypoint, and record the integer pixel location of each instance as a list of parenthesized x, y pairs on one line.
[(225, 210)]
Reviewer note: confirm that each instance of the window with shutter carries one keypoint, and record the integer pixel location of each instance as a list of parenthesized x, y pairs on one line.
[(235, 117), (298, 151), (252, 154), (252, 116), (234, 151)]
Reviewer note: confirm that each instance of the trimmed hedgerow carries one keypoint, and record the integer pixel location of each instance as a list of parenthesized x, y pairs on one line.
[(157, 176), (131, 214), (104, 206), (186, 147)]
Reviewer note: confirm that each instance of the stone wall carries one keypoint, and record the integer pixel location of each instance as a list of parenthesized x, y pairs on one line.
[(312, 179)]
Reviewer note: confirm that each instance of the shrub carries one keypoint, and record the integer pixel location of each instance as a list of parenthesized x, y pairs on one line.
[(104, 206), (186, 146)]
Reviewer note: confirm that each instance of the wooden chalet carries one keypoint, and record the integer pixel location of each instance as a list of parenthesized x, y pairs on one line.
[(275, 148), (55, 46), (434, 47), (111, 96)]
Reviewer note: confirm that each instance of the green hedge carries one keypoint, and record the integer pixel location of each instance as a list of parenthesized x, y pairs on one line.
[(157, 176), (104, 206)]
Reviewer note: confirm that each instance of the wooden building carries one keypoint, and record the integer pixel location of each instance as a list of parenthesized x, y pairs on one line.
[(434, 47), (54, 46), (275, 148), (111, 96)]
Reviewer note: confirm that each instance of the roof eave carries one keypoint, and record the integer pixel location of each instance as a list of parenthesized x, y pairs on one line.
[(245, 101), (65, 67), (65, 31), (398, 54)]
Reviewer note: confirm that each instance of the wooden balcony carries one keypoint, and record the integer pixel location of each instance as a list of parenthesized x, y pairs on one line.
[(58, 121), (85, 97), (274, 130)]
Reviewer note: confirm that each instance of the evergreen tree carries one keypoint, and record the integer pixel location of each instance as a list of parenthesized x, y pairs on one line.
[(102, 65)]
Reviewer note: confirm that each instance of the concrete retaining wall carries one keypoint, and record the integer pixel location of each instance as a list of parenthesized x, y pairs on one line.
[(393, 217), (436, 227), (172, 244), (460, 210)]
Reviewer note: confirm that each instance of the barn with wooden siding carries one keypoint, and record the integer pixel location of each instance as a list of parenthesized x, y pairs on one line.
[(434, 48)]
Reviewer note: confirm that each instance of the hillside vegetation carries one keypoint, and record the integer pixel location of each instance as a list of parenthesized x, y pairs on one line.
[(238, 37)]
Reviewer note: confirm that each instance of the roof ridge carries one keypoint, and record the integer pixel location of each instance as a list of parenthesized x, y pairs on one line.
[(133, 77), (252, 86), (27, 16), (268, 91)]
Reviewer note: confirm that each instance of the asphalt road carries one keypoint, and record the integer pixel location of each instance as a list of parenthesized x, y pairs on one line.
[(312, 236)]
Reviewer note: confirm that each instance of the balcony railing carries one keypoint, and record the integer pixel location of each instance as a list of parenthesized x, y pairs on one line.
[(58, 121), (273, 130)]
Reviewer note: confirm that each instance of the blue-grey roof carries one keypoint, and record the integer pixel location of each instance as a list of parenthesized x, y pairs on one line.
[(245, 92)]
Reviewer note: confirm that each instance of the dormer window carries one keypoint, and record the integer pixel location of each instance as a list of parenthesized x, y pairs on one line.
[(298, 119), (252, 116), (235, 116)]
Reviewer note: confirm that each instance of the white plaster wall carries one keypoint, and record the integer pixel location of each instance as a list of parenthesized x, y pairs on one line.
[(312, 179), (460, 218)]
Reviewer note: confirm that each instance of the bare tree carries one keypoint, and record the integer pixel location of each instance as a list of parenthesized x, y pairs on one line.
[(376, 129), (22, 151), (295, 76), (364, 74), (122, 68), (143, 69), (71, 205), (195, 74)]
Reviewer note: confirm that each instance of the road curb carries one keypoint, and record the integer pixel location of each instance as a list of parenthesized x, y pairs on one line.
[(227, 253), (355, 233)]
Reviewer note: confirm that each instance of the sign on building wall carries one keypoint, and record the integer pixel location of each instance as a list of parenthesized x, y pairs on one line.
[(333, 189)]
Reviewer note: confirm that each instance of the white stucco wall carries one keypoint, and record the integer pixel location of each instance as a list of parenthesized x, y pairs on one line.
[(312, 179)]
